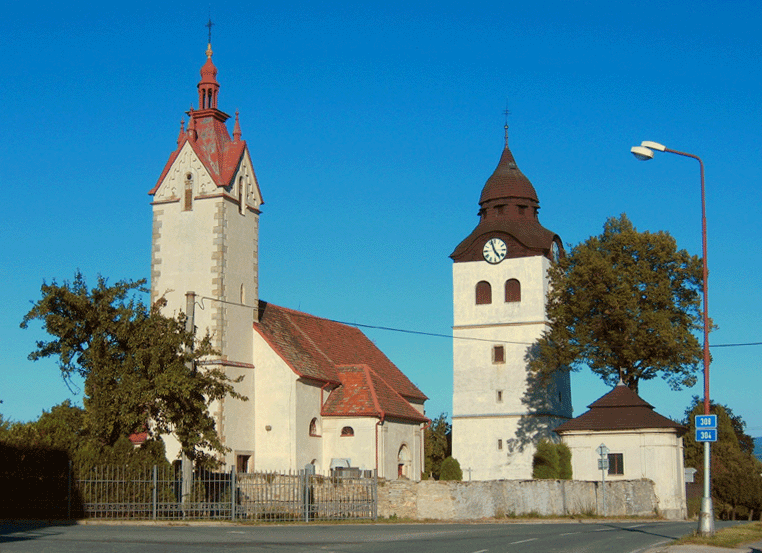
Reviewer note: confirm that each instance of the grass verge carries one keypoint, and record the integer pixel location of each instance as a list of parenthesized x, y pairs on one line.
[(727, 537)]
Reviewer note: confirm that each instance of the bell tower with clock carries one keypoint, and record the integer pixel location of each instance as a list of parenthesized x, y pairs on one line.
[(500, 411)]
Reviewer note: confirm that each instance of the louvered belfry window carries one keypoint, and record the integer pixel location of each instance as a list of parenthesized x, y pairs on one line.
[(483, 292), (512, 290)]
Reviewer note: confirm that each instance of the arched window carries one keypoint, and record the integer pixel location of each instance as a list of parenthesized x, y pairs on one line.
[(314, 428), (512, 290), (483, 292), (241, 196), (347, 431), (404, 462)]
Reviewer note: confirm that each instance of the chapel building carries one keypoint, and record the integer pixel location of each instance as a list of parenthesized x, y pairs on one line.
[(500, 284), (320, 392)]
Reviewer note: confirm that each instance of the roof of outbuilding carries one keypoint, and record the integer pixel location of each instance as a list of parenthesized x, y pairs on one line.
[(329, 351), (620, 409)]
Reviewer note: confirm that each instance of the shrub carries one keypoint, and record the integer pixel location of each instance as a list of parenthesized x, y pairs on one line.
[(450, 470), (545, 464), (564, 461)]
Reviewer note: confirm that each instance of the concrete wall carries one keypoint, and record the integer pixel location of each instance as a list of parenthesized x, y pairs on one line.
[(500, 498)]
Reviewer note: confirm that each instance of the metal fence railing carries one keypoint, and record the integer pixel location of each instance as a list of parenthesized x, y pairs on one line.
[(159, 493)]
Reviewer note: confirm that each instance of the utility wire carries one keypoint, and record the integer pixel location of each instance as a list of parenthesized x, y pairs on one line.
[(434, 334)]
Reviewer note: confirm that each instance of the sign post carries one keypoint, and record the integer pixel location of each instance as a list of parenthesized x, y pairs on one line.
[(603, 464)]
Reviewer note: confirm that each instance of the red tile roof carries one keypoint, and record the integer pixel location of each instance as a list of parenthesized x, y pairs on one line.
[(328, 351), (620, 409)]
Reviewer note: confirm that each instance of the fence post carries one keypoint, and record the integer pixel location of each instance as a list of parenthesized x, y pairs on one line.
[(375, 494), (68, 492), (233, 491), (155, 490)]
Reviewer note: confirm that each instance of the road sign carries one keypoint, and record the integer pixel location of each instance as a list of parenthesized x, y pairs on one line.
[(602, 450), (706, 421), (603, 464), (706, 434)]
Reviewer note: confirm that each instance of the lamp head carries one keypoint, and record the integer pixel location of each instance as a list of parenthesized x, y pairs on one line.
[(642, 153)]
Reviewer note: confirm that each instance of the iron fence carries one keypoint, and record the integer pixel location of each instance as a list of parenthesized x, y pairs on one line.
[(160, 493)]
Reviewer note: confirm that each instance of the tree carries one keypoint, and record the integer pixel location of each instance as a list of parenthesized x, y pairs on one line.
[(736, 480), (436, 446), (138, 365), (451, 469), (625, 304)]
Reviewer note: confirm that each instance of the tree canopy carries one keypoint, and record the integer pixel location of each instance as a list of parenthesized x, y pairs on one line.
[(736, 473), (626, 304), (436, 446), (140, 368)]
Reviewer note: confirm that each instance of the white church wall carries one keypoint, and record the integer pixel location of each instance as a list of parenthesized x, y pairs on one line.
[(238, 417), (275, 407), (360, 448), (655, 454), (310, 448)]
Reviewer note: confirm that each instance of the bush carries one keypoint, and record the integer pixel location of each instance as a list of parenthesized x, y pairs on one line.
[(450, 470), (564, 461), (546, 464)]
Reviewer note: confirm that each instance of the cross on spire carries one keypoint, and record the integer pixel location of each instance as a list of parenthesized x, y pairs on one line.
[(506, 112), (209, 25)]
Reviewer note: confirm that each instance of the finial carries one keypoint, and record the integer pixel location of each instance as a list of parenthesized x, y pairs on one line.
[(236, 128), (209, 43), (182, 131), (506, 113)]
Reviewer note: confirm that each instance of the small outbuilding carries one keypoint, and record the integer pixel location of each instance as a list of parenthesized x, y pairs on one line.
[(641, 443)]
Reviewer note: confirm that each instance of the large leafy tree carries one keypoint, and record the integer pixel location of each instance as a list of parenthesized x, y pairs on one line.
[(140, 368), (626, 304)]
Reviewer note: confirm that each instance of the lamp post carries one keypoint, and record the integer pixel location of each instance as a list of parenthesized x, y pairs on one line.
[(644, 152)]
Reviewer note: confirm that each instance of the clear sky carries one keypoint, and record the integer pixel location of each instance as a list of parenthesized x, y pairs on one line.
[(373, 129)]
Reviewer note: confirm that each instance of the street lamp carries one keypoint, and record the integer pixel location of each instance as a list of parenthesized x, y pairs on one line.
[(644, 152)]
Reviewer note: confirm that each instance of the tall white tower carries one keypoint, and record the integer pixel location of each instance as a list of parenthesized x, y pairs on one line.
[(206, 207), (500, 283)]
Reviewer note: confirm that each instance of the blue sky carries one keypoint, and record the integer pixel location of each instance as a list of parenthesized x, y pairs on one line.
[(372, 129)]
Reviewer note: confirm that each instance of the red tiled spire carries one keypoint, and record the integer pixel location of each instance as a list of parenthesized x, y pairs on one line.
[(236, 129), (181, 136), (207, 133)]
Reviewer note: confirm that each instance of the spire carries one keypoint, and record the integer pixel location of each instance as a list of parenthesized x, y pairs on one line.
[(208, 87), (507, 113), (507, 181), (191, 132), (182, 131), (236, 128)]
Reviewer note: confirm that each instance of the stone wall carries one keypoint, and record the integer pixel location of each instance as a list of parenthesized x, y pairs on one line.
[(500, 498)]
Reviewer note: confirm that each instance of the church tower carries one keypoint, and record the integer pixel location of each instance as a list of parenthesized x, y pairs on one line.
[(500, 284), (206, 207)]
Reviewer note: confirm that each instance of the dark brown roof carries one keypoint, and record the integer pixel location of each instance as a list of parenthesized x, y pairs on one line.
[(328, 351), (508, 181), (620, 409), (508, 209)]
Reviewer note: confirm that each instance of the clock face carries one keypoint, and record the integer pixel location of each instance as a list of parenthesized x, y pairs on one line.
[(494, 250)]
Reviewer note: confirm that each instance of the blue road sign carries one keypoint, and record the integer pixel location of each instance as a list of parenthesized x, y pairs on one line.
[(706, 434), (706, 421)]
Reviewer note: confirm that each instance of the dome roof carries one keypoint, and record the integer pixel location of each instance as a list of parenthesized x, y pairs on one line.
[(507, 181)]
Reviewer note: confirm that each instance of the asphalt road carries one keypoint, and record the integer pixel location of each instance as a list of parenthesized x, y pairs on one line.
[(546, 537)]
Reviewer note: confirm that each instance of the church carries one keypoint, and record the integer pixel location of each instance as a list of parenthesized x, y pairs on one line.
[(500, 409), (319, 392)]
